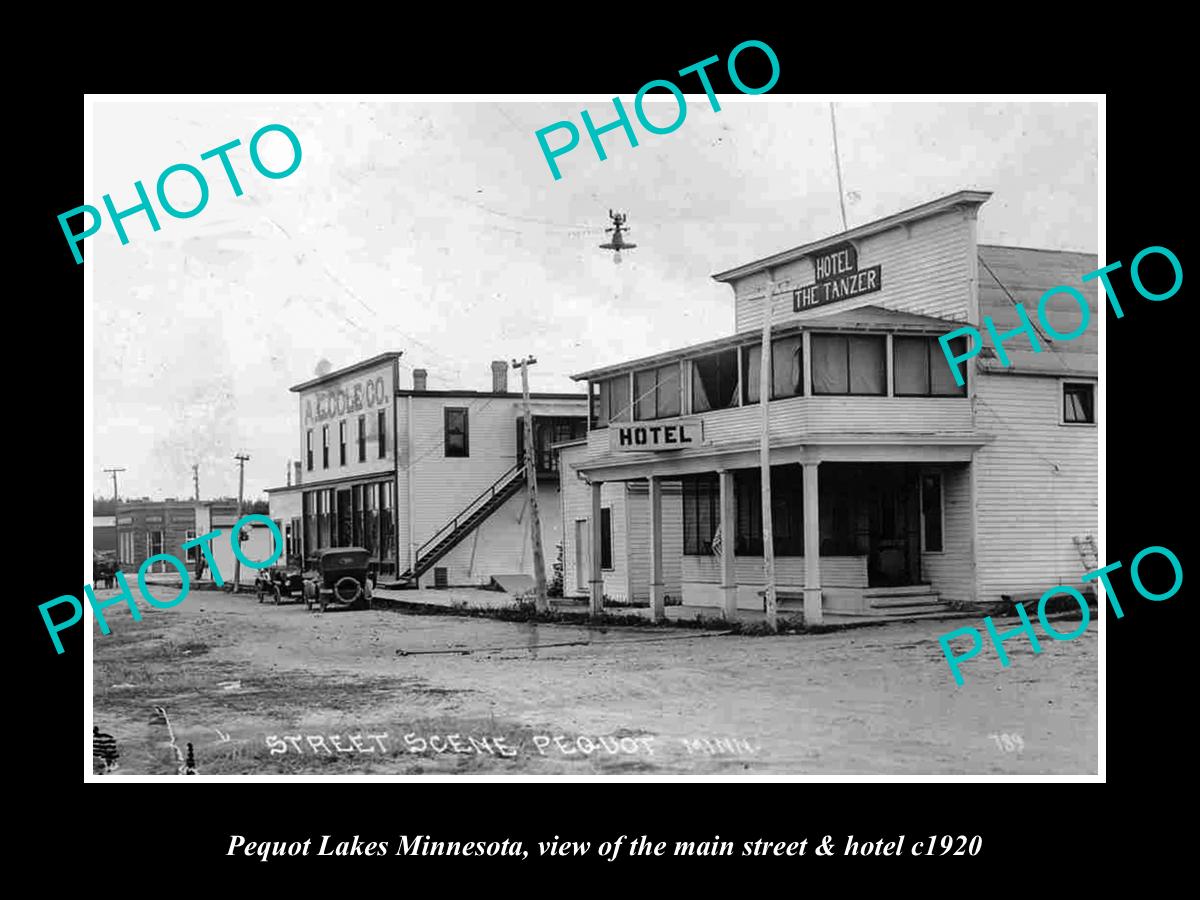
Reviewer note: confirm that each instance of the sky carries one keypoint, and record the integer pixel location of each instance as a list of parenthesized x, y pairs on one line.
[(437, 229)]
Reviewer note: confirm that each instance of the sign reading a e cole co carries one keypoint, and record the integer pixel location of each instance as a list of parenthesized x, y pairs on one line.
[(665, 434), (350, 396), (838, 278)]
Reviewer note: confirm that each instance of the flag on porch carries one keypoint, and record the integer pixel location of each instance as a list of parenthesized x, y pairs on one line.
[(716, 541)]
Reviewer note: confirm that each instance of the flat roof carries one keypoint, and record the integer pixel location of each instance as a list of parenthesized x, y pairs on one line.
[(338, 373), (510, 395), (924, 211)]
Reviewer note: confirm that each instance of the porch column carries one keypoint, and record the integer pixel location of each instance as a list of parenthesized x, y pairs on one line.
[(812, 546), (597, 582), (657, 588), (728, 537)]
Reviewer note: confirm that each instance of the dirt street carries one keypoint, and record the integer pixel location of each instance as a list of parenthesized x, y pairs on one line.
[(260, 689)]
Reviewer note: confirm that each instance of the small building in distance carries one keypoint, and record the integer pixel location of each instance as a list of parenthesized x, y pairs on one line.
[(146, 528), (104, 534)]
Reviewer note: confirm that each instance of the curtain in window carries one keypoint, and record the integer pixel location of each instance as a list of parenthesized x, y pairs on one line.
[(645, 394), (714, 381), (941, 376), (829, 375), (668, 391), (787, 372), (868, 365), (751, 372), (910, 356)]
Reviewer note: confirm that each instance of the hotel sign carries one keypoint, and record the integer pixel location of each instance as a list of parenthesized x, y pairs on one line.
[(838, 278), (664, 434)]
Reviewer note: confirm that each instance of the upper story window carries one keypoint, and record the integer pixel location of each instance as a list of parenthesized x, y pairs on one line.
[(922, 369), (310, 449), (849, 364), (457, 432), (362, 438), (381, 429), (657, 392), (613, 401), (715, 381), (342, 442), (1079, 403), (325, 446), (787, 369)]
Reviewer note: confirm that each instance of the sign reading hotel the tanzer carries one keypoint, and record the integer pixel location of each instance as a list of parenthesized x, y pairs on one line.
[(665, 434), (838, 278)]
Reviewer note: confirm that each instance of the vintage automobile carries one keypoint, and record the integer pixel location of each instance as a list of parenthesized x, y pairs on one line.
[(278, 582), (339, 576), (104, 568)]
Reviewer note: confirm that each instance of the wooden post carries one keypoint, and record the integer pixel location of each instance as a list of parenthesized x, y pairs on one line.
[(657, 588), (812, 546), (764, 457), (728, 537), (237, 563), (535, 525), (597, 581)]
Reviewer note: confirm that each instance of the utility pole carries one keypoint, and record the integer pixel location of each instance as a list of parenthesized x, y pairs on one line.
[(196, 481), (237, 563), (535, 525), (114, 477), (764, 454)]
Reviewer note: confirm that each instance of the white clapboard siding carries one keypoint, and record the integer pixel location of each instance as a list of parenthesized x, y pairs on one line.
[(951, 573), (924, 270), (1036, 487), (639, 538), (443, 486), (502, 545), (353, 385), (576, 503)]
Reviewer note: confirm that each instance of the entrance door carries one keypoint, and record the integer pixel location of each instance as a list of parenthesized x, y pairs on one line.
[(583, 546), (895, 518), (345, 519)]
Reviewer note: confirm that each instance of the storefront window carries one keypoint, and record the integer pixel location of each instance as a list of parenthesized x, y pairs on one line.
[(371, 517), (714, 381), (387, 523), (701, 513)]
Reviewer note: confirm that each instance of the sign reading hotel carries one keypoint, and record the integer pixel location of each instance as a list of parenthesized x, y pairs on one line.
[(665, 434), (838, 278)]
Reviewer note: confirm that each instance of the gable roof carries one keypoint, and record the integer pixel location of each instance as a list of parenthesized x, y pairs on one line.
[(1024, 275)]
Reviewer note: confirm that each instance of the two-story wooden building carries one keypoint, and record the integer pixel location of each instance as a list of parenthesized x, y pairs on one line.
[(430, 481), (893, 489)]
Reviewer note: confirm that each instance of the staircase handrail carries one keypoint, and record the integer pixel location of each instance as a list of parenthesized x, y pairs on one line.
[(466, 512)]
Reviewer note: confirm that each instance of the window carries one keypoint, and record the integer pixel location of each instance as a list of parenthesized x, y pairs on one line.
[(612, 402), (342, 442), (547, 431), (382, 429), (747, 490), (458, 439), (656, 392), (714, 381), (154, 543), (849, 364), (362, 438), (606, 561), (701, 513), (126, 543), (387, 521), (1079, 403), (751, 373), (325, 446), (310, 450), (931, 513), (371, 518), (192, 552), (922, 369)]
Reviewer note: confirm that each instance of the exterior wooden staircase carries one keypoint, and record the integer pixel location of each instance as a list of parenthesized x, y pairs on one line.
[(468, 519)]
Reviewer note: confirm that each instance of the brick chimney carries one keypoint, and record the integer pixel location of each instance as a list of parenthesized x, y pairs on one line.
[(499, 376), (419, 376)]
